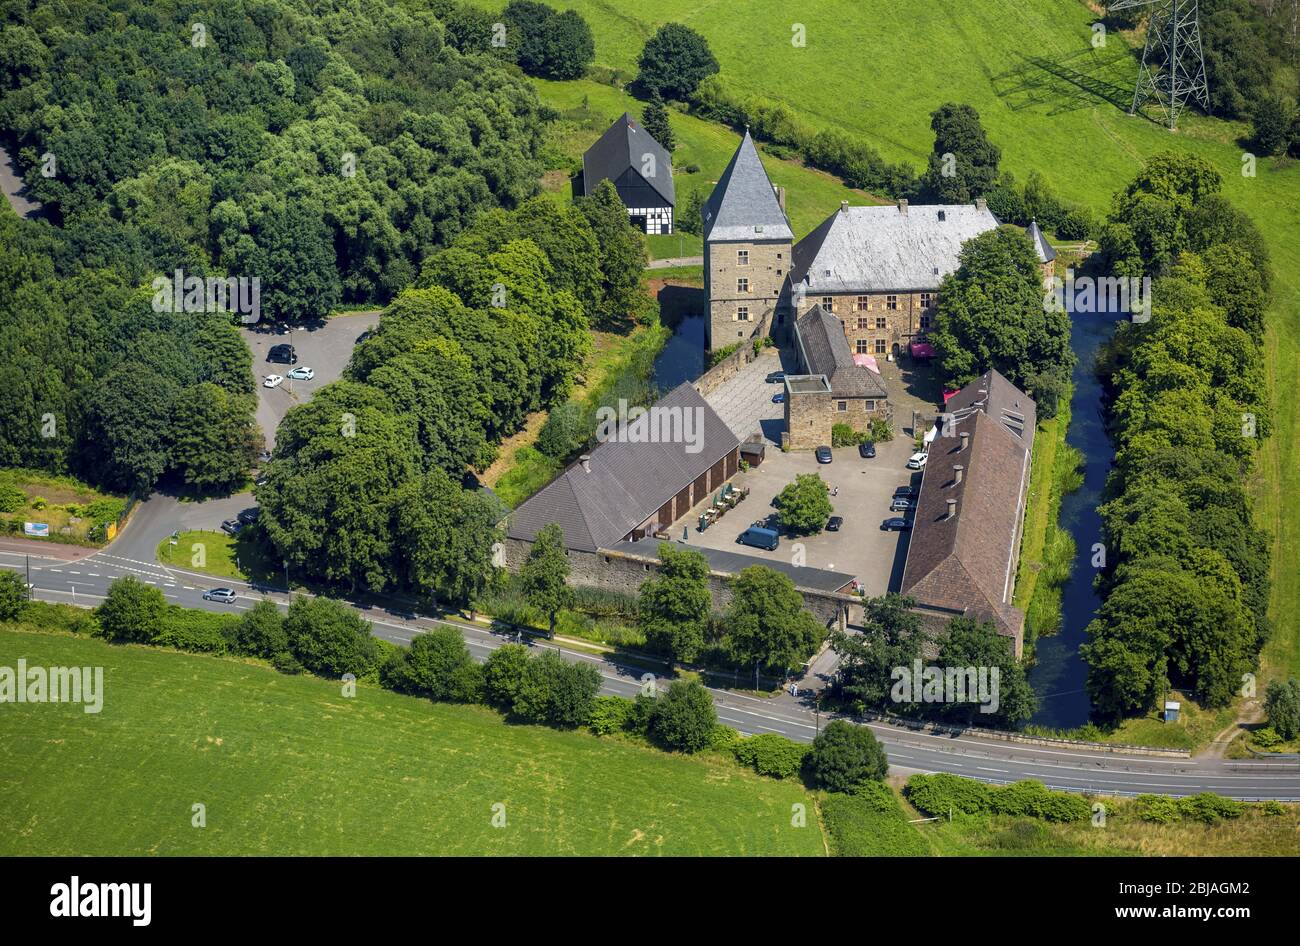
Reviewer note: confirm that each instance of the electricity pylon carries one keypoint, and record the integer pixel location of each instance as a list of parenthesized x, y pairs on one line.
[(1173, 68)]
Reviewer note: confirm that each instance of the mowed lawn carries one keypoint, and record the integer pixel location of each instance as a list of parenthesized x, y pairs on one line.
[(286, 765), (1051, 100)]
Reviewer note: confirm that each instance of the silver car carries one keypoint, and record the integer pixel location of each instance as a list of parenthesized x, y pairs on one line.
[(223, 595)]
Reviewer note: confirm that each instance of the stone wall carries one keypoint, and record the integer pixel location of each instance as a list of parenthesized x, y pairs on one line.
[(731, 366), (766, 269), (810, 417), (908, 318)]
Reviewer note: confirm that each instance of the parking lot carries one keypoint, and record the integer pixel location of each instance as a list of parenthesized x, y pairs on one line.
[(860, 549), (324, 347)]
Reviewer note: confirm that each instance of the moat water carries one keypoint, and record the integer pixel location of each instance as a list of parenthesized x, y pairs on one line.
[(1059, 675)]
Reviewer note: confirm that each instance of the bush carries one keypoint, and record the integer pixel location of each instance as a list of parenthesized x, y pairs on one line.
[(1033, 799), (684, 717), (1273, 808), (1266, 738), (503, 674), (329, 638), (199, 631), (845, 756), (881, 431), (556, 692), (1209, 808), (1157, 809), (63, 617), (610, 714), (13, 595), (1282, 704), (1076, 225), (287, 663), (936, 794), (724, 739), (771, 754), (843, 435), (11, 498), (261, 631), (132, 611), (439, 666)]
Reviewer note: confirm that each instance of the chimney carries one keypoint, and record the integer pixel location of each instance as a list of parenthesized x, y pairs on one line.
[(780, 198), (844, 206), (585, 460), (902, 205), (952, 509), (965, 440), (957, 472), (981, 204)]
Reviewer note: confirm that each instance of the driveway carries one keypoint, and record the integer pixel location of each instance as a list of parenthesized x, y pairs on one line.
[(324, 347), (864, 490), (744, 402)]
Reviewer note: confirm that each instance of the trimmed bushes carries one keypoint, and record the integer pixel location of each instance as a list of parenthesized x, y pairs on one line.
[(770, 754)]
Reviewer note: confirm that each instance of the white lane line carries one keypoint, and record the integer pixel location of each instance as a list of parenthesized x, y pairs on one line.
[(983, 768)]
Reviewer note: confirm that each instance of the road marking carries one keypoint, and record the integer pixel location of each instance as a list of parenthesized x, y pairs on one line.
[(986, 769)]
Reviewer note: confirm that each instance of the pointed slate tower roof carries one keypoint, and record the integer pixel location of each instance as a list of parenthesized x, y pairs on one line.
[(1044, 249), (743, 205)]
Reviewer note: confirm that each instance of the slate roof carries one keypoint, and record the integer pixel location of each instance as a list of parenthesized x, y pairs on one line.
[(732, 563), (744, 201), (627, 483), (621, 148), (1044, 249), (825, 350), (878, 249), (968, 561)]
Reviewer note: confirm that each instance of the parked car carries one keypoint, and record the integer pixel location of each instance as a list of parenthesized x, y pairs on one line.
[(833, 523), (224, 595), (824, 455), (776, 377), (917, 461), (249, 516), (778, 397), (282, 353), (907, 492), (302, 373), (760, 538), (867, 450), (272, 381), (896, 524), (902, 504), (231, 526)]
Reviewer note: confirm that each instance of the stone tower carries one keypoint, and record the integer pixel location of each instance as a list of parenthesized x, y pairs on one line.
[(747, 248)]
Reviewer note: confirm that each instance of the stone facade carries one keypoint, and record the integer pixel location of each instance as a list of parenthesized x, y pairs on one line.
[(881, 323), (742, 282), (810, 416)]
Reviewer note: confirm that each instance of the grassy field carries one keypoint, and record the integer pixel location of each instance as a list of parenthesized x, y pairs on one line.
[(286, 765), (1050, 100)]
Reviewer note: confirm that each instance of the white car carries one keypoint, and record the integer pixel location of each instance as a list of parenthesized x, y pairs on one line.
[(272, 381), (917, 461), (301, 373)]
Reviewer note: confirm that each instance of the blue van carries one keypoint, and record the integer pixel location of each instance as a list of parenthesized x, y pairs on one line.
[(760, 538)]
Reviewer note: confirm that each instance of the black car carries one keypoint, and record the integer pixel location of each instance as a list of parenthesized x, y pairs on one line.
[(833, 523), (905, 492), (897, 524), (823, 454), (776, 377), (283, 353), (249, 516), (867, 450)]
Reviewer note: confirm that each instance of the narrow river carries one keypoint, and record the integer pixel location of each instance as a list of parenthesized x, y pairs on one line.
[(1060, 673)]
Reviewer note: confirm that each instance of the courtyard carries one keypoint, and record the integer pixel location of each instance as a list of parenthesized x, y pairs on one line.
[(864, 489)]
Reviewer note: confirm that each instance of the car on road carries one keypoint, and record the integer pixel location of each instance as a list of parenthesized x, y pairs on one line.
[(249, 516), (902, 504), (867, 450), (224, 595), (282, 353), (823, 455), (917, 461), (231, 526), (776, 377), (896, 524), (778, 397), (272, 381), (760, 538), (833, 523), (905, 492), (301, 373)]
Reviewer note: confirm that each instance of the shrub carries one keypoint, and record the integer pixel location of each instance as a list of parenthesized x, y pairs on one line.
[(1076, 225), (771, 754), (724, 738), (261, 631), (40, 502), (1033, 799), (557, 692), (875, 796), (1266, 738), (845, 756), (199, 631), (881, 431), (439, 666), (1157, 809), (610, 714), (684, 717), (132, 611), (1209, 808), (843, 435), (11, 497), (1282, 704), (329, 638), (13, 595), (503, 674), (1273, 808), (63, 617), (287, 663), (936, 794)]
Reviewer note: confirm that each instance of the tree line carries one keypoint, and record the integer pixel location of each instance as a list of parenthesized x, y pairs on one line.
[(1185, 580)]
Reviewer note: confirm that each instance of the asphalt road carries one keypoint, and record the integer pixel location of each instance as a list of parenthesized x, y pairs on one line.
[(85, 581)]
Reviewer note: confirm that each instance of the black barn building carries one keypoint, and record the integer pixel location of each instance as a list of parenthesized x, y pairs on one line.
[(640, 170)]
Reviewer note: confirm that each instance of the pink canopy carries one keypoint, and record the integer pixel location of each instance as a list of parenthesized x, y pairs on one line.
[(866, 361), (922, 350), (949, 394)]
